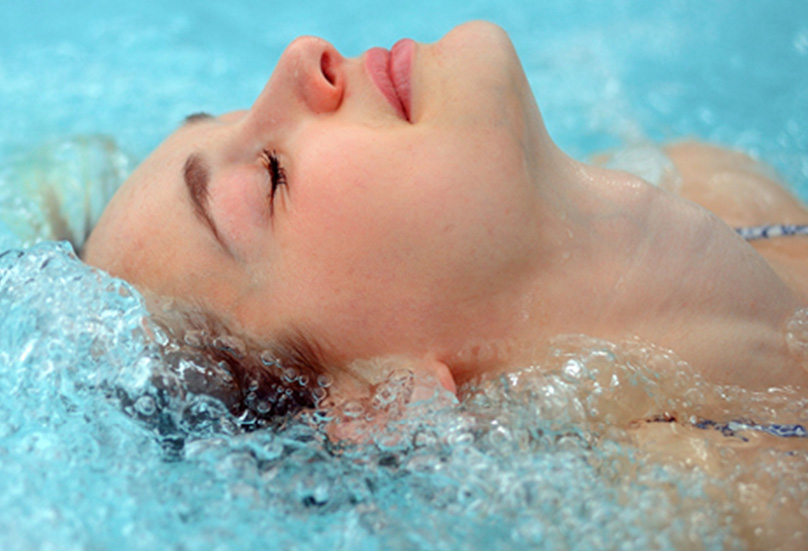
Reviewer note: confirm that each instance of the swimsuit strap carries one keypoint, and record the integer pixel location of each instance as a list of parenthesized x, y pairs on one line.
[(751, 233), (775, 429)]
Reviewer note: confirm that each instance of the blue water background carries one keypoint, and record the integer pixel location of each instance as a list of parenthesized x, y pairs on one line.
[(88, 461), (604, 71)]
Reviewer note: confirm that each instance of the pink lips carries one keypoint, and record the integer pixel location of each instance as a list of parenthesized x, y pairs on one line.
[(391, 72)]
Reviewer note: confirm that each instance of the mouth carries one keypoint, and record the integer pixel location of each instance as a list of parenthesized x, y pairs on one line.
[(391, 72)]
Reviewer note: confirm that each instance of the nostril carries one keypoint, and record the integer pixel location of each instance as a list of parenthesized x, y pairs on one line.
[(327, 69)]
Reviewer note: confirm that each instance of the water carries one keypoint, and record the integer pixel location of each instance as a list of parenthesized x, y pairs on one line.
[(103, 446)]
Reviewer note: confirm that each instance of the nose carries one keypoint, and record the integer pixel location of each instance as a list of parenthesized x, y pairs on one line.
[(308, 76)]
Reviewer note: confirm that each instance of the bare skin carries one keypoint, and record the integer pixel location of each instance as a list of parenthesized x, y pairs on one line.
[(665, 270), (743, 193)]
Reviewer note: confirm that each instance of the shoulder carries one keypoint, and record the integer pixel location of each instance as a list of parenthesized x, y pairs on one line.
[(737, 188), (745, 192)]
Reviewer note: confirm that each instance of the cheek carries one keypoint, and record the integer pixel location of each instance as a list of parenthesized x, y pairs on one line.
[(396, 209), (406, 198), (355, 208), (339, 187)]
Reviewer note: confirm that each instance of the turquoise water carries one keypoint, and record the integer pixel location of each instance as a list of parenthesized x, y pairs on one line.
[(95, 455), (603, 71)]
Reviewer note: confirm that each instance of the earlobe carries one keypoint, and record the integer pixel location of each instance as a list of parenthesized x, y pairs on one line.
[(432, 379), (431, 376), (441, 372), (445, 377)]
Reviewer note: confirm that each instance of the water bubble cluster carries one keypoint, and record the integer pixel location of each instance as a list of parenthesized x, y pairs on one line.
[(107, 405)]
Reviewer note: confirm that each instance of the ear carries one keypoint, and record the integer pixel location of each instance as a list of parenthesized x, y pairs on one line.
[(430, 373), (444, 376), (439, 372)]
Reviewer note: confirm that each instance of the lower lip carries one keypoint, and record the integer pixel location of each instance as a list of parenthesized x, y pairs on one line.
[(391, 72)]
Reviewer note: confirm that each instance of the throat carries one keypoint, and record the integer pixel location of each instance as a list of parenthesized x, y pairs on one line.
[(672, 274), (626, 261)]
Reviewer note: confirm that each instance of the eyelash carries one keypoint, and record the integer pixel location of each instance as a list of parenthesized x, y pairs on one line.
[(277, 175)]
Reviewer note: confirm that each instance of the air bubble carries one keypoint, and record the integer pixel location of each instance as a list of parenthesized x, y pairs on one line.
[(230, 344), (573, 369), (353, 409), (269, 358), (289, 375), (322, 415), (401, 378), (146, 406), (460, 438), (194, 338), (425, 438), (319, 394), (385, 394)]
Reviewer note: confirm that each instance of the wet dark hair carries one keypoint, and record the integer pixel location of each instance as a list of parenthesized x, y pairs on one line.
[(259, 383)]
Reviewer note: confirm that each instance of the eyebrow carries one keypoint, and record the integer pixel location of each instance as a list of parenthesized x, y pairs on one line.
[(196, 117), (196, 175)]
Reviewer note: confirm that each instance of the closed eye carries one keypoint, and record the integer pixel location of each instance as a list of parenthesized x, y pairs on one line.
[(277, 175)]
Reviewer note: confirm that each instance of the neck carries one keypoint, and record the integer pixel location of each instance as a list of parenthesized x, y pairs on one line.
[(618, 258)]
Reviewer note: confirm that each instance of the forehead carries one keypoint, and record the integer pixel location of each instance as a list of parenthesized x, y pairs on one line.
[(121, 237), (143, 222)]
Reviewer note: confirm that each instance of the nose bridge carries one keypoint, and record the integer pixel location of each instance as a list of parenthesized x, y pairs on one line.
[(308, 79)]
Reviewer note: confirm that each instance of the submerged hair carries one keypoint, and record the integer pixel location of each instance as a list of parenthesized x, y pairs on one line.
[(260, 383)]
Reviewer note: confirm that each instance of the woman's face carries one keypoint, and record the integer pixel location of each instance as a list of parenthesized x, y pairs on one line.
[(388, 221)]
